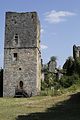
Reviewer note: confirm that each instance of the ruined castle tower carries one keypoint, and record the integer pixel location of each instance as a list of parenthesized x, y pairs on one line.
[(21, 54), (76, 51)]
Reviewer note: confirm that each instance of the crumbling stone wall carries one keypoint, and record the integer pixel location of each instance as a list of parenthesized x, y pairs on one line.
[(76, 51)]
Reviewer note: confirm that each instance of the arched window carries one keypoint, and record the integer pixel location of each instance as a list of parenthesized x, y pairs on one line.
[(21, 84)]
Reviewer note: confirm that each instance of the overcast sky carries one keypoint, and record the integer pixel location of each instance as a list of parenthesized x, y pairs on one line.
[(60, 25)]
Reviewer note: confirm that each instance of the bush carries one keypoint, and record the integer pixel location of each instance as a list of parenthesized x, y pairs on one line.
[(72, 89), (43, 93), (67, 81), (51, 92), (43, 85)]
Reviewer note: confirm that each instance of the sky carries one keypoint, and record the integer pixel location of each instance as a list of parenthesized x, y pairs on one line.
[(60, 26)]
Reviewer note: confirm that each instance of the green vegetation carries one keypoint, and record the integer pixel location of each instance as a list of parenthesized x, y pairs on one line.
[(70, 77), (67, 81), (11, 108), (63, 107), (59, 99), (72, 66), (53, 58)]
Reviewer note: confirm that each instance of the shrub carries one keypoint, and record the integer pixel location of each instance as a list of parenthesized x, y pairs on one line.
[(67, 81)]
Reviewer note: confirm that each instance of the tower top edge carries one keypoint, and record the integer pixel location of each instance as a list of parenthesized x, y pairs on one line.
[(10, 12)]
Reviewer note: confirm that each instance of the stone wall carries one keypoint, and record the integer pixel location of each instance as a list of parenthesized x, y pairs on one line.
[(23, 24), (22, 53), (76, 51), (52, 66)]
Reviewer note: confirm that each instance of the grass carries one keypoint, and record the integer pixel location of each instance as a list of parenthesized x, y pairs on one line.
[(63, 107)]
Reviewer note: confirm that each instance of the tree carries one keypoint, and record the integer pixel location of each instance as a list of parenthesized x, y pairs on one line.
[(67, 81), (69, 66), (53, 58)]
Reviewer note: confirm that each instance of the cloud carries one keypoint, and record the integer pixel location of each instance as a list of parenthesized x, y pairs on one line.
[(57, 16), (42, 30), (44, 47)]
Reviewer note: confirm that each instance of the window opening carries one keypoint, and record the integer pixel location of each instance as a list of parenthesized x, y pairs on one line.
[(19, 68), (16, 37), (14, 56), (15, 22)]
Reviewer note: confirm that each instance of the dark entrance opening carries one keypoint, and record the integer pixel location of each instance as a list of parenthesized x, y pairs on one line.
[(21, 84), (20, 92)]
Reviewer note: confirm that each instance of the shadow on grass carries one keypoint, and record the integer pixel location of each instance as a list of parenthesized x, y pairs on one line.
[(66, 110)]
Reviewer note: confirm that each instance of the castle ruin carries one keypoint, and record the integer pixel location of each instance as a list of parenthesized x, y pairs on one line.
[(76, 51), (22, 56)]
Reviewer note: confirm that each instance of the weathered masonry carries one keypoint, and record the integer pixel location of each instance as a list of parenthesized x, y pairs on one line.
[(22, 62), (76, 51)]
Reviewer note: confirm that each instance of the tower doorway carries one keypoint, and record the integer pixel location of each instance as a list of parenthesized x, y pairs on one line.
[(21, 84)]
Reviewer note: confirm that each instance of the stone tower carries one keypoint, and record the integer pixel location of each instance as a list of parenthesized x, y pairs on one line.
[(22, 60), (76, 51)]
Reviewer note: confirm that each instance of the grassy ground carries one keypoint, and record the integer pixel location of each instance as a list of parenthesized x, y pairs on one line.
[(64, 107)]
